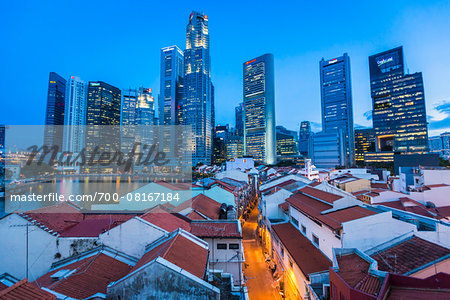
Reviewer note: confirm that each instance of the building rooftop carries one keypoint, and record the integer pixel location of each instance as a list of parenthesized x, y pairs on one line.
[(182, 250), (166, 220), (410, 205), (319, 194), (23, 290), (408, 255), (82, 277), (308, 205), (336, 218), (216, 229), (202, 205), (307, 257), (93, 226)]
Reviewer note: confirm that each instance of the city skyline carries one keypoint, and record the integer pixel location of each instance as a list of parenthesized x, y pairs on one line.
[(297, 77)]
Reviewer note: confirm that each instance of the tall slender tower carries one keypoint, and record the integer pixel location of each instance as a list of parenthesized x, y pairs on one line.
[(54, 116), (75, 114), (259, 109), (197, 105), (337, 107), (170, 85)]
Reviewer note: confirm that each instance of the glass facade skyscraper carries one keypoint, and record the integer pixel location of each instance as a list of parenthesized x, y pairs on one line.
[(171, 85), (75, 114), (259, 109), (56, 99), (239, 119), (197, 102), (337, 107), (399, 114), (304, 140)]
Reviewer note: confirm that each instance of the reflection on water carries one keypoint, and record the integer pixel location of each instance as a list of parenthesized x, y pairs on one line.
[(73, 186)]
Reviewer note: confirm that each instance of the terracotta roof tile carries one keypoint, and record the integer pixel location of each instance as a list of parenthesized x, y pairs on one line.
[(92, 275), (165, 220), (336, 218), (284, 183), (202, 204), (180, 251), (95, 225), (308, 205), (204, 229), (23, 290), (307, 257), (284, 206), (325, 196), (409, 255)]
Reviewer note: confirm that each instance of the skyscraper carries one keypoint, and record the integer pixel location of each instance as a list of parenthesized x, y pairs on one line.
[(138, 107), (171, 84), (364, 142), (103, 108), (75, 114), (287, 144), (304, 141), (54, 116), (239, 119), (399, 114), (337, 108), (197, 105), (259, 109), (328, 149)]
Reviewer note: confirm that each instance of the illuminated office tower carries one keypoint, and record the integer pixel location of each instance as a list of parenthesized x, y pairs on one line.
[(304, 141), (336, 95), (171, 85), (103, 108), (364, 143), (197, 105), (259, 109), (54, 117), (75, 114), (399, 114)]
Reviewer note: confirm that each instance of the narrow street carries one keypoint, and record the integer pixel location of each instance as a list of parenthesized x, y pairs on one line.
[(257, 274)]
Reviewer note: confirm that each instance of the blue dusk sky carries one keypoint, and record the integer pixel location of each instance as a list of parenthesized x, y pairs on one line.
[(119, 42)]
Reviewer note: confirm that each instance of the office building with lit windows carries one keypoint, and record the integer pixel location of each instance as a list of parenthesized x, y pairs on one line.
[(103, 108), (54, 115), (259, 109), (364, 143), (337, 107), (328, 149), (239, 119), (197, 98), (399, 114), (75, 114), (171, 85)]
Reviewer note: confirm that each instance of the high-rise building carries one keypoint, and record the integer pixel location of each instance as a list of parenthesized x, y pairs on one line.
[(128, 108), (259, 109), (239, 119), (54, 118), (336, 94), (103, 108), (171, 85), (138, 107), (197, 105), (440, 144), (234, 147), (328, 149), (304, 140), (75, 114), (221, 133), (287, 141), (399, 114), (364, 142)]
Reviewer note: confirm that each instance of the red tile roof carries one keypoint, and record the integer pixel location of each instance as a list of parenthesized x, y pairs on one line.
[(409, 255), (308, 205), (284, 206), (430, 186), (92, 275), (165, 220), (325, 196), (193, 215), (204, 229), (3, 286), (411, 205), (336, 218), (23, 290), (307, 257), (95, 225), (202, 204), (314, 183), (182, 252), (56, 218), (379, 185), (354, 270)]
